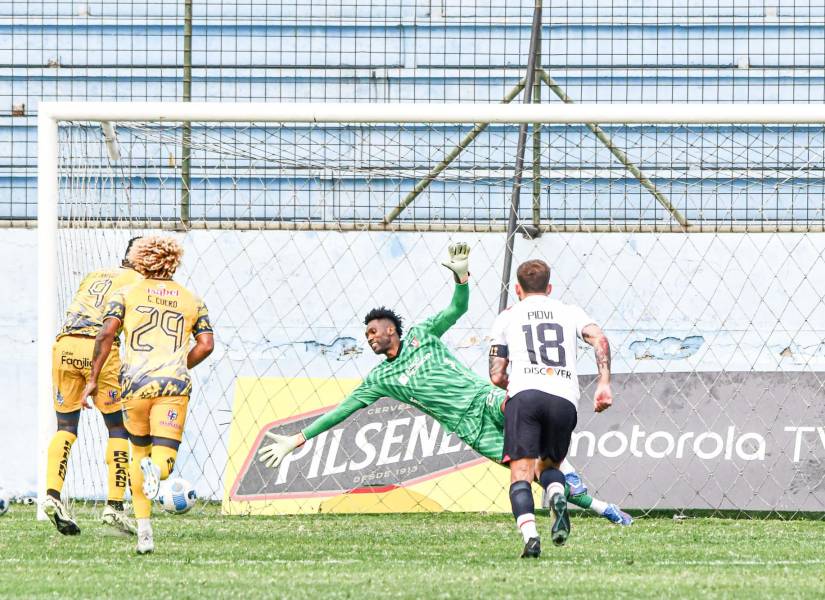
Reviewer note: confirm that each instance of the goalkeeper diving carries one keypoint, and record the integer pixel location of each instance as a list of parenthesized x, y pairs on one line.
[(421, 371)]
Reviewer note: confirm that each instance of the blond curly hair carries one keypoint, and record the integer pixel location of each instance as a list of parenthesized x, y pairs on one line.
[(156, 257)]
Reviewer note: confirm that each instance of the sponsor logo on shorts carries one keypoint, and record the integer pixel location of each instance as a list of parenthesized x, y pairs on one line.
[(171, 418), (59, 399), (77, 363), (112, 398)]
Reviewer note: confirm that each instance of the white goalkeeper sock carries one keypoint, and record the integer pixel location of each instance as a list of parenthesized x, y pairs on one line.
[(598, 506)]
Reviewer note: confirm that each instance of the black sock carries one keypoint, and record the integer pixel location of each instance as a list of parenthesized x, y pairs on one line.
[(53, 493), (551, 475), (521, 500), (116, 504)]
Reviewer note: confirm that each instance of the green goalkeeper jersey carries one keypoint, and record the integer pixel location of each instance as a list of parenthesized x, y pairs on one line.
[(427, 376)]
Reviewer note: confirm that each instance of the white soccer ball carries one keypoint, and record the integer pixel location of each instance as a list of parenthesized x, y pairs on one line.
[(177, 496), (5, 502)]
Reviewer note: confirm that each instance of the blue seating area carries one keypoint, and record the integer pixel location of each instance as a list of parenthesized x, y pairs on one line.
[(420, 51)]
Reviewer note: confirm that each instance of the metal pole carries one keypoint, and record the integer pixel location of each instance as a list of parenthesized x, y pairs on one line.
[(186, 166), (471, 113), (605, 139), (522, 139), (537, 147), (47, 199), (424, 183)]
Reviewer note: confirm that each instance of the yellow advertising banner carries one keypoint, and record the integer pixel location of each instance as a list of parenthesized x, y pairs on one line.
[(388, 457)]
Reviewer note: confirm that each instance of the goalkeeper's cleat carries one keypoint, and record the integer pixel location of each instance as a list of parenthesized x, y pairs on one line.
[(58, 515), (151, 477), (561, 524), (145, 543), (532, 549), (119, 520), (616, 515), (575, 484)]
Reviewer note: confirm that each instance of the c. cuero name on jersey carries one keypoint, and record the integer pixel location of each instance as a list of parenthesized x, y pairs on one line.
[(151, 299)]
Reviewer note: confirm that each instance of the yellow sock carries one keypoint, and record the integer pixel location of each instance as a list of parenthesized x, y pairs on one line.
[(58, 462), (142, 504), (164, 457), (117, 460)]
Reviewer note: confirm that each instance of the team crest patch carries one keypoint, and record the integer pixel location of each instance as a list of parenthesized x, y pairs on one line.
[(172, 414), (113, 395), (415, 343)]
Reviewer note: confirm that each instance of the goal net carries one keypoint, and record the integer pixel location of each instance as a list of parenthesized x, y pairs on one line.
[(693, 235)]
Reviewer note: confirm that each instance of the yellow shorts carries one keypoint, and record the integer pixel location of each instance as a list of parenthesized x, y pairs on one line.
[(161, 416), (71, 364)]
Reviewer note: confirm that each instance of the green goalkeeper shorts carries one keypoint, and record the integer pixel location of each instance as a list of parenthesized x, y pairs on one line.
[(490, 439)]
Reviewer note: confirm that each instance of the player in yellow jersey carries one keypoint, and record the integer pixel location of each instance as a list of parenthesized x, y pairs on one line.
[(71, 363), (159, 317)]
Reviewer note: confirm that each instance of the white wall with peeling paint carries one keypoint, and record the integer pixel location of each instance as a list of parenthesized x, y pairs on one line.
[(290, 304)]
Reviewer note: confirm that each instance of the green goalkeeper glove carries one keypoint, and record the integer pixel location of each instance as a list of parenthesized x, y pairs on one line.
[(272, 454), (459, 262)]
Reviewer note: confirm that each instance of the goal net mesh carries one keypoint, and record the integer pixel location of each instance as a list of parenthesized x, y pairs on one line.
[(698, 248)]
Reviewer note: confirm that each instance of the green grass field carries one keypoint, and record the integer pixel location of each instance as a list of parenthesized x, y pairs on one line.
[(204, 555)]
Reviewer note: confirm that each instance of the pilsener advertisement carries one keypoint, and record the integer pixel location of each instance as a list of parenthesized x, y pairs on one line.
[(689, 448)]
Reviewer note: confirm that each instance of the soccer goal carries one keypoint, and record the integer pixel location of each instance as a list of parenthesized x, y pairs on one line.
[(692, 233)]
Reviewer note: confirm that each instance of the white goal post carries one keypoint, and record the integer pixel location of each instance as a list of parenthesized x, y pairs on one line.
[(652, 357)]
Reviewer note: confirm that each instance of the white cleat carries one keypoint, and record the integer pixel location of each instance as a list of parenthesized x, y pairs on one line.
[(145, 543), (119, 520), (151, 478), (59, 515)]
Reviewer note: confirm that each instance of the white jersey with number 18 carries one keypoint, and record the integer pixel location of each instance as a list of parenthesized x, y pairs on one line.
[(540, 335)]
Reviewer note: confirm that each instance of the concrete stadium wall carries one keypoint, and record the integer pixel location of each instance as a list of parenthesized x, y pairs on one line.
[(696, 309)]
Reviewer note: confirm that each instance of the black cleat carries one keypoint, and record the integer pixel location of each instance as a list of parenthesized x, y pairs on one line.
[(561, 525), (58, 515), (532, 549)]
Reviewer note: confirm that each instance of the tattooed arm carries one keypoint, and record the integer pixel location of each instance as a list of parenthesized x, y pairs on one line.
[(593, 335), (498, 366)]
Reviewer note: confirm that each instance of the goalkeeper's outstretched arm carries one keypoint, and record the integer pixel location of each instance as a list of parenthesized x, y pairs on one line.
[(459, 264), (272, 454)]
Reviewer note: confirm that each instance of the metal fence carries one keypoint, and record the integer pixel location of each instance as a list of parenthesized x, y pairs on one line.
[(373, 51)]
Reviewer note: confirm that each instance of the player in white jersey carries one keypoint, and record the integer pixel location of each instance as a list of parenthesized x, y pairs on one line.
[(536, 338)]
